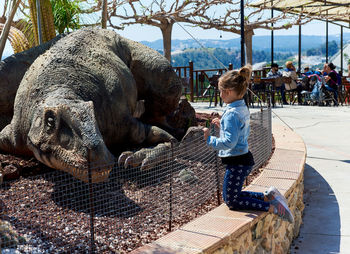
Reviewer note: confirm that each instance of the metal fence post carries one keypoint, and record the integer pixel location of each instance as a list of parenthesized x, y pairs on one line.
[(191, 81), (217, 177), (269, 122), (91, 201), (213, 133), (171, 188)]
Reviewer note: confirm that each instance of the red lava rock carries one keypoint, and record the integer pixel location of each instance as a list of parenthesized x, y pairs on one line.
[(10, 172), (3, 207)]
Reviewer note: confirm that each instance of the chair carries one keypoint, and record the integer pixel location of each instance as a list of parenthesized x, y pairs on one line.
[(277, 93), (258, 88), (291, 93), (346, 86), (185, 85), (343, 91), (213, 84), (306, 95), (270, 89)]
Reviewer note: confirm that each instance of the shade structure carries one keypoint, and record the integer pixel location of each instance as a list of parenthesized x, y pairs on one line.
[(331, 10)]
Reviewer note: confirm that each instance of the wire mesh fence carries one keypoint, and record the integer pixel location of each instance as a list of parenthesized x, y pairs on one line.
[(56, 213)]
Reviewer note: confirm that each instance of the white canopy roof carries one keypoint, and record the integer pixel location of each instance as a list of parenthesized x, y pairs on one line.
[(333, 10)]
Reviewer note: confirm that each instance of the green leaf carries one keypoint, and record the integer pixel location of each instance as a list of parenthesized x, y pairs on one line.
[(66, 14)]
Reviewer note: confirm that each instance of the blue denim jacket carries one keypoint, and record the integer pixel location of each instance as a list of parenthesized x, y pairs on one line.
[(234, 131)]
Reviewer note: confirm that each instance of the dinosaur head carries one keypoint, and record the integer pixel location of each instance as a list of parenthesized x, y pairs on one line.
[(64, 135)]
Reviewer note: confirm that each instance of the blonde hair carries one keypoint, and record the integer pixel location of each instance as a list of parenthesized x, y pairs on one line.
[(289, 64), (236, 80)]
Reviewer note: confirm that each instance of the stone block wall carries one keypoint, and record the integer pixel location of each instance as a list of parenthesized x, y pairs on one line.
[(269, 234)]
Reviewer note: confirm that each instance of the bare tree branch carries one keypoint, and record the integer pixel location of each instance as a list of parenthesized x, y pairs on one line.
[(202, 14)]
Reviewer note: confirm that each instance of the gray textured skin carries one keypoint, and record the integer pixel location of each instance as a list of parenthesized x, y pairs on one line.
[(12, 70), (81, 96)]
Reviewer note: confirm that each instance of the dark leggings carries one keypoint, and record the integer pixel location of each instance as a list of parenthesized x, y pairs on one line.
[(234, 197)]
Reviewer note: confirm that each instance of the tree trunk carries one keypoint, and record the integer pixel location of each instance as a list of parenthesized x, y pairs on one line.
[(248, 36), (167, 28), (5, 32), (104, 14)]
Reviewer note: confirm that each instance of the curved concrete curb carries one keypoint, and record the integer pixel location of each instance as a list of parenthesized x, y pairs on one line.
[(225, 231)]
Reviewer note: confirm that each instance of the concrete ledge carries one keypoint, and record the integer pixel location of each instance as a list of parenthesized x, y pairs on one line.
[(225, 231)]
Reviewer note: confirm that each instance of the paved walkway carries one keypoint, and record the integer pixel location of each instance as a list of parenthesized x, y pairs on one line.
[(326, 133)]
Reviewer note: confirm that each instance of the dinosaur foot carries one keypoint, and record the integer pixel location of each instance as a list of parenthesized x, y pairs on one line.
[(146, 158)]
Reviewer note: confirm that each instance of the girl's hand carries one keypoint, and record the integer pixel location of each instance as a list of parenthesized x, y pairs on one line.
[(206, 133), (327, 78), (216, 121)]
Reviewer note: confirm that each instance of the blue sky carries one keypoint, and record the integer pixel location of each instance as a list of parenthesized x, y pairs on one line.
[(148, 33)]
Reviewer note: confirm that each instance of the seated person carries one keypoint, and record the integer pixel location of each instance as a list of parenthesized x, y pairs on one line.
[(318, 72), (307, 71), (290, 72), (331, 80), (275, 73), (325, 69)]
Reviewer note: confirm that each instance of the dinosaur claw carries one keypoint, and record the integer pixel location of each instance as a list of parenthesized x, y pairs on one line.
[(145, 158), (122, 158), (145, 165), (129, 161)]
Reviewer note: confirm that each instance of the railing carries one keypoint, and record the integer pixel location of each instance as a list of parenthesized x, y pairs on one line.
[(202, 84), (55, 213), (197, 82), (186, 73)]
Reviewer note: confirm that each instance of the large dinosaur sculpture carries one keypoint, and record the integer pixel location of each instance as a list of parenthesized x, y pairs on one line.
[(12, 70), (90, 93)]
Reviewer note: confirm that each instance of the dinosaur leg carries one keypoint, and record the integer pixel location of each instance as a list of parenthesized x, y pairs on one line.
[(6, 139), (146, 157), (12, 70), (4, 121), (150, 135), (10, 144)]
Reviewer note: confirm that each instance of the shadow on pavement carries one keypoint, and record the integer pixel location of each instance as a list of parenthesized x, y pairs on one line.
[(320, 231)]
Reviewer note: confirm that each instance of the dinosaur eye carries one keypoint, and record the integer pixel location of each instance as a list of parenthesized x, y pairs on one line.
[(50, 120)]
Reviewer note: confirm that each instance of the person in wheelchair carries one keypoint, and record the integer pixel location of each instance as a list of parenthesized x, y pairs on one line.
[(275, 73), (315, 83)]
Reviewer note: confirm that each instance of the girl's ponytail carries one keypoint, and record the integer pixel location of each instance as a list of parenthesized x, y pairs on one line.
[(245, 72), (236, 80)]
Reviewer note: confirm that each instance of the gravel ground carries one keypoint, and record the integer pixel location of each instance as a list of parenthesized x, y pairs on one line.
[(50, 210)]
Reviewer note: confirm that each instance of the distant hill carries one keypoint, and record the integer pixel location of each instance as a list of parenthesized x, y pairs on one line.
[(282, 43), (226, 56)]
